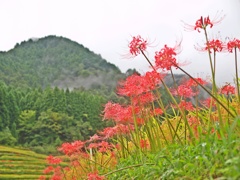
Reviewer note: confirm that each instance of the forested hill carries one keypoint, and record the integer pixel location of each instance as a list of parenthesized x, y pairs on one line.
[(56, 61)]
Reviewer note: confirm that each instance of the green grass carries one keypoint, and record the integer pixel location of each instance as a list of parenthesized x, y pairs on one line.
[(20, 164), (207, 159)]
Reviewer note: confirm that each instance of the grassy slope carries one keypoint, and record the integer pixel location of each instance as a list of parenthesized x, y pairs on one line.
[(20, 164)]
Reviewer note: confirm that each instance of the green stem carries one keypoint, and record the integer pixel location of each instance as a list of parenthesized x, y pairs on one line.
[(237, 82), (170, 94), (137, 165)]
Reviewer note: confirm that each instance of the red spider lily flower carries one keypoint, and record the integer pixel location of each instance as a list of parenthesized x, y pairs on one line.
[(143, 99), (132, 86), (53, 160), (166, 57), (235, 43), (93, 146), (227, 89), (186, 105), (119, 113), (95, 176), (204, 22), (137, 45), (208, 102), (70, 148), (184, 91), (108, 132), (104, 146), (192, 83), (157, 111), (48, 170), (95, 137), (124, 129), (212, 45), (136, 84), (144, 144), (56, 177), (153, 79)]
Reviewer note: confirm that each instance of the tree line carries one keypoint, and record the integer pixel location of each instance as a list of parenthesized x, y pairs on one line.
[(38, 118)]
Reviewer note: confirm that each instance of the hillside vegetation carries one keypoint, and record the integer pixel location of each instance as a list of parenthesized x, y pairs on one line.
[(51, 91), (56, 61)]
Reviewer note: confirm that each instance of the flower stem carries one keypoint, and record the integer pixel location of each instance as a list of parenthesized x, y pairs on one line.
[(237, 80)]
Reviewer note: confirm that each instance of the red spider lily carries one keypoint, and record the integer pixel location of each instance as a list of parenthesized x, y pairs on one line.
[(235, 43), (132, 86), (136, 84), (212, 45), (56, 177), (119, 113), (192, 83), (166, 57), (48, 170), (95, 137), (95, 176), (53, 160), (157, 111), (124, 129), (137, 44), (93, 146), (144, 143), (109, 132), (227, 89), (152, 79), (184, 91), (186, 105), (104, 146), (203, 22), (143, 99), (71, 148), (207, 102)]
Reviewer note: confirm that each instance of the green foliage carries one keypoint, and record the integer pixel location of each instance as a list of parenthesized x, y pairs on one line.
[(46, 118), (208, 159), (56, 61), (7, 138)]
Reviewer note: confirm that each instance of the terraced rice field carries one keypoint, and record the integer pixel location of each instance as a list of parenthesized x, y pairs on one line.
[(20, 164)]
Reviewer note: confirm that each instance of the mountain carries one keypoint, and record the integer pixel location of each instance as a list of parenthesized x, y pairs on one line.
[(56, 62)]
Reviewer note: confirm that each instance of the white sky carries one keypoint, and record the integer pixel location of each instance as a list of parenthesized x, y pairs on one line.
[(106, 26)]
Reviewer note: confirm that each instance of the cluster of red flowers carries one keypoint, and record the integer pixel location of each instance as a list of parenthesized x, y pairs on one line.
[(195, 82), (71, 148), (166, 58), (122, 129), (95, 176), (184, 91), (235, 43), (137, 45), (215, 45), (136, 84), (227, 89), (140, 90)]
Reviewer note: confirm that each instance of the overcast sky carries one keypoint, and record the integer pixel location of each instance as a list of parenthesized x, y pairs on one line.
[(106, 27)]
